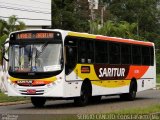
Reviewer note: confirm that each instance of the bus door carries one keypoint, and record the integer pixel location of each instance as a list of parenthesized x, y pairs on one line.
[(70, 57)]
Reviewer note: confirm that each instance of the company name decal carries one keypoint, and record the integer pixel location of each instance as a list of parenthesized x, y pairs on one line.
[(110, 72)]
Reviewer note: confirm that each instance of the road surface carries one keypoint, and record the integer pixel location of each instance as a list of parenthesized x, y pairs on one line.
[(107, 104)]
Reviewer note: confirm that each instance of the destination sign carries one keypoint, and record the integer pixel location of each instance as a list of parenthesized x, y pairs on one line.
[(39, 35)]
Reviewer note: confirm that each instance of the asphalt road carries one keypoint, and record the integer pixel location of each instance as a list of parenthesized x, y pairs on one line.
[(107, 104)]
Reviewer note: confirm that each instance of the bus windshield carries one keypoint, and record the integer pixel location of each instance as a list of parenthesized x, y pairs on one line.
[(42, 57)]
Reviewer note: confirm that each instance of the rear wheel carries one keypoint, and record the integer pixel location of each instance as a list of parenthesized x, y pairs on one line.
[(85, 95), (132, 92), (38, 102)]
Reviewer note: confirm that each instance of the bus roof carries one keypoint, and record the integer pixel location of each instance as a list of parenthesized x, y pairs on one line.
[(98, 37), (113, 39)]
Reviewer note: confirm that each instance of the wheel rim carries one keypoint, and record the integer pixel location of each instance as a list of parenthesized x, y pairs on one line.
[(84, 96), (133, 92)]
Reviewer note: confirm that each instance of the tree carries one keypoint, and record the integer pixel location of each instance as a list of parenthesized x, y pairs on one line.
[(70, 15), (13, 24), (143, 12), (6, 27), (121, 29)]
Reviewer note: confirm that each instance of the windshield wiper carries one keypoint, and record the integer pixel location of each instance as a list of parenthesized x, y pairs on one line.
[(38, 53)]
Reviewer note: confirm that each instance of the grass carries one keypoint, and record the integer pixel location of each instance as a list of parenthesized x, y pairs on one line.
[(5, 98), (140, 110), (158, 78)]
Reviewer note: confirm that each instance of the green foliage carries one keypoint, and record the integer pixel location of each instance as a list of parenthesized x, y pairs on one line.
[(116, 29), (6, 27), (158, 78), (5, 98), (143, 12), (13, 24), (140, 110), (68, 15)]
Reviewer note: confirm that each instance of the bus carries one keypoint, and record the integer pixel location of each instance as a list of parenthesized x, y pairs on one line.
[(60, 64)]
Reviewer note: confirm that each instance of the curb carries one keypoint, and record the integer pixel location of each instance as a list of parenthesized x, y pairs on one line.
[(14, 103)]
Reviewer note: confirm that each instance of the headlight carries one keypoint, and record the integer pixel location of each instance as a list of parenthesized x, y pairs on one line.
[(51, 84), (12, 83)]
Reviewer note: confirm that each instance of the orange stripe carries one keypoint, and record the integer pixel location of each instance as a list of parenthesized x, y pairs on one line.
[(124, 40), (137, 71)]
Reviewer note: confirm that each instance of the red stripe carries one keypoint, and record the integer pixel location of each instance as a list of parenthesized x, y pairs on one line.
[(124, 40)]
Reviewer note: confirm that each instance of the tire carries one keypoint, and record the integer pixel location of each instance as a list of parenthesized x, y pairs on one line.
[(38, 102), (132, 92), (85, 95)]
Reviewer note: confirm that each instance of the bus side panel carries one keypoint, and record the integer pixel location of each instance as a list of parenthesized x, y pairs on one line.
[(72, 89), (99, 90), (147, 81), (145, 76)]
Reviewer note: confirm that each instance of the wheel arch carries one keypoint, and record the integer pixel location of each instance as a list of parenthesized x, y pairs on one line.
[(88, 82)]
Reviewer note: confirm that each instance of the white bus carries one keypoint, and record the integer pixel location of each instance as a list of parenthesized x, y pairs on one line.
[(71, 65)]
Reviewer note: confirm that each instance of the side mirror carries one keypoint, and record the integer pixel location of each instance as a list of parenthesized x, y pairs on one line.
[(5, 48)]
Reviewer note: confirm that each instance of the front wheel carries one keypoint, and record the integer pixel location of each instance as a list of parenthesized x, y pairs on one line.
[(38, 102), (85, 95)]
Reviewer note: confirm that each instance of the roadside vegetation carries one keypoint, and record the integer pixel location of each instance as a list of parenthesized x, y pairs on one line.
[(4, 98), (158, 78), (140, 110), (6, 27)]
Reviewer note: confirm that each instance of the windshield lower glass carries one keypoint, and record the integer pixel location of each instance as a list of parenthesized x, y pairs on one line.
[(35, 58)]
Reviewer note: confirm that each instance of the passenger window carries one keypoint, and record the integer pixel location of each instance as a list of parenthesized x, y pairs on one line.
[(85, 51), (146, 56), (136, 55), (114, 53), (101, 52), (152, 55), (125, 54)]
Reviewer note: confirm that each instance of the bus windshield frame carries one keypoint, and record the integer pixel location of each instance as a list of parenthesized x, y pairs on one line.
[(34, 58)]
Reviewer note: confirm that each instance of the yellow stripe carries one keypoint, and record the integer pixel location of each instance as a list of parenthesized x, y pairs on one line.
[(103, 83), (111, 83), (86, 35), (45, 79)]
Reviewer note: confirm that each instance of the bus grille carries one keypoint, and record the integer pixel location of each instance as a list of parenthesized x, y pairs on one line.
[(37, 92)]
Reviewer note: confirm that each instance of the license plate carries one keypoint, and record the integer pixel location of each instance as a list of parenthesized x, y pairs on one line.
[(31, 91)]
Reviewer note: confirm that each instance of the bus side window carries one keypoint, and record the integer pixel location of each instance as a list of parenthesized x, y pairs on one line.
[(90, 51), (151, 56), (114, 53), (126, 57), (145, 55), (82, 51), (85, 50), (136, 55), (101, 52)]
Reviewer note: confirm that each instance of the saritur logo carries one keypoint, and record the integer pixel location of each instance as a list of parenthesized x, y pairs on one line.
[(111, 72)]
